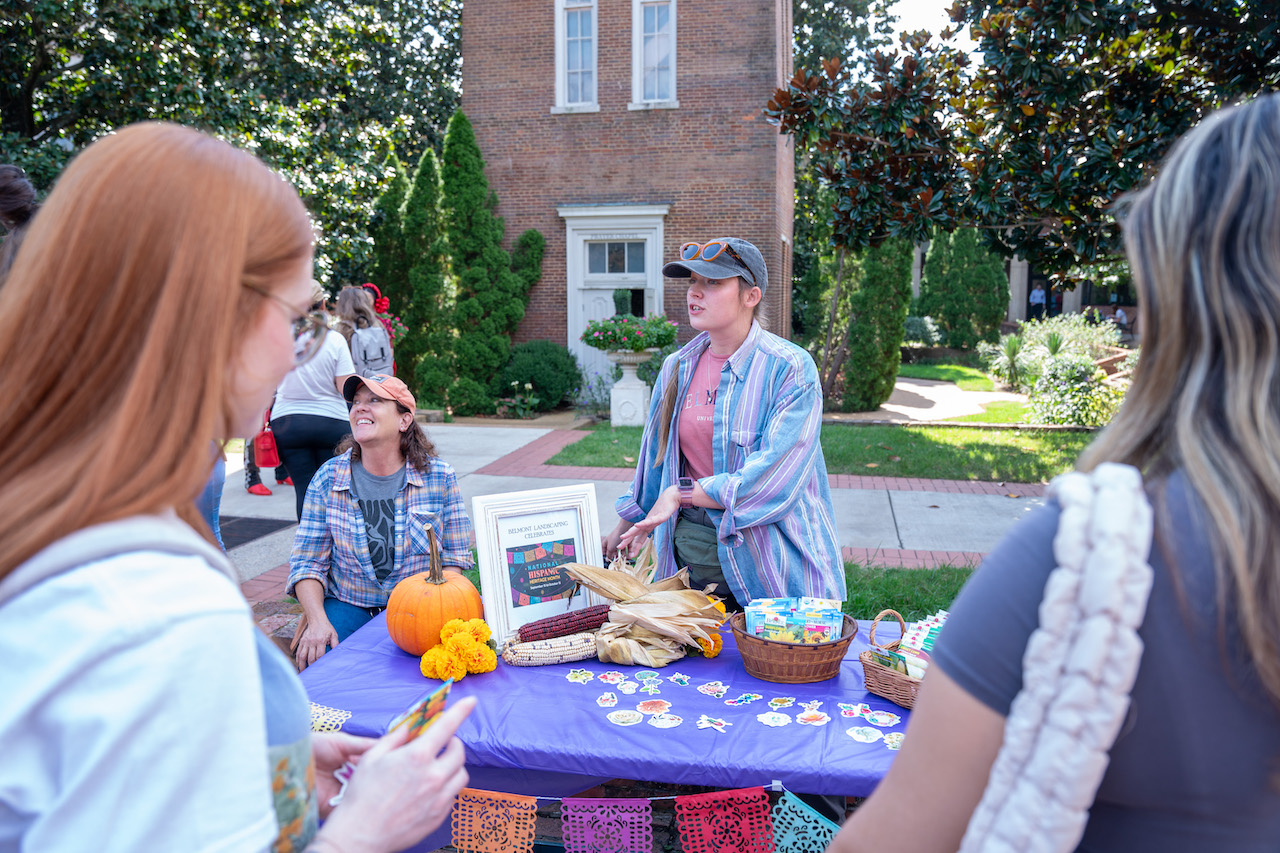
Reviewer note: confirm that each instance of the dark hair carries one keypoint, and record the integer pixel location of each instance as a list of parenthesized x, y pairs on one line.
[(17, 206), (414, 445)]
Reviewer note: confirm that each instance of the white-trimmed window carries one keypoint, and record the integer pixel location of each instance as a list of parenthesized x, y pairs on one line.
[(576, 40), (653, 54)]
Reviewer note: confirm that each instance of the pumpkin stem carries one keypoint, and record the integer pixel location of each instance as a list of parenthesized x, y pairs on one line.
[(435, 572)]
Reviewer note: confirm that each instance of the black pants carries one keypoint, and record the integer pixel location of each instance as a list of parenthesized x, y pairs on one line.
[(305, 443), (252, 477)]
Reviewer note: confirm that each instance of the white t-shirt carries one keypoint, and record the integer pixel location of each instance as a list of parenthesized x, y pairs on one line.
[(309, 389), (1121, 317), (131, 712)]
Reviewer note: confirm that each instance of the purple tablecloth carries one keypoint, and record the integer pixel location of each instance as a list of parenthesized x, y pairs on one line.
[(535, 732)]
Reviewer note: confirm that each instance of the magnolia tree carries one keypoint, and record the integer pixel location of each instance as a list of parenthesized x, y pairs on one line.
[(1074, 102)]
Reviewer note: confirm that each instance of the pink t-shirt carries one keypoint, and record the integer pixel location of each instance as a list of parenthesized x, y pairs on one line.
[(698, 416)]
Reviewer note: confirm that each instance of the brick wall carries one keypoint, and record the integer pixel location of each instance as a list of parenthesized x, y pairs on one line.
[(722, 169)]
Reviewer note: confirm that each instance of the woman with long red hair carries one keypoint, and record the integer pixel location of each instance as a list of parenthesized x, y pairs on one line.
[(152, 310)]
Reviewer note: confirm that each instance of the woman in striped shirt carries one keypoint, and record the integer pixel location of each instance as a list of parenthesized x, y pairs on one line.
[(731, 480)]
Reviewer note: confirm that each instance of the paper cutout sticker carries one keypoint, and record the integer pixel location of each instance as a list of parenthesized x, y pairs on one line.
[(678, 678), (665, 721), (705, 722), (612, 677), (781, 702), (607, 700), (744, 699), (894, 740), (651, 689), (813, 718), (714, 689), (653, 706), (627, 687), (580, 676), (624, 717), (848, 710), (883, 719), (774, 718), (646, 674), (865, 734), (811, 706)]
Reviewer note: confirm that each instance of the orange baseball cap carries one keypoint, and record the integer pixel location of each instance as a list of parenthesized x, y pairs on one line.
[(385, 386)]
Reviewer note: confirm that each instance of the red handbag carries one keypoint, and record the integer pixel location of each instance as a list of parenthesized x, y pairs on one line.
[(265, 454)]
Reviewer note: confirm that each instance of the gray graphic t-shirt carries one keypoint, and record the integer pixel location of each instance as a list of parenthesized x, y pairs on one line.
[(376, 497)]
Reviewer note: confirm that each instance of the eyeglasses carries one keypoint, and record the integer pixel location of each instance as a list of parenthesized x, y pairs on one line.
[(308, 329), (711, 250)]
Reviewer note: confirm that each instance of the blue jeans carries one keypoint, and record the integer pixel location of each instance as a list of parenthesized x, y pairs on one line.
[(210, 500), (345, 618)]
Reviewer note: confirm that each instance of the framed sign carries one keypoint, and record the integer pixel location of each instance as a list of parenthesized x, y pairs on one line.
[(523, 540)]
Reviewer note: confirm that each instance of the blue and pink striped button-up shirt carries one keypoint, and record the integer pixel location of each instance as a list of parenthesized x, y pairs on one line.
[(777, 535)]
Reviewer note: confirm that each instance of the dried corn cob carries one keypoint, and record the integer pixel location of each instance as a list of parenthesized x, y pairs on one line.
[(568, 649), (574, 622)]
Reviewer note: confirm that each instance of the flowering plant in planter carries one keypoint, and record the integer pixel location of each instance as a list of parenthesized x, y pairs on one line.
[(629, 333)]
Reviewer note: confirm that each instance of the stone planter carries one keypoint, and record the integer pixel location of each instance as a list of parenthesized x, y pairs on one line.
[(629, 397)]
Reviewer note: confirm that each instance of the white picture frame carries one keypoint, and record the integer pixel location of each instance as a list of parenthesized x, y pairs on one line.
[(535, 528)]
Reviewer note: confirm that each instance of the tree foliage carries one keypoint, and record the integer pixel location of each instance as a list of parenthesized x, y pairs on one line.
[(1074, 103), (317, 88), (429, 314), (964, 288), (879, 311), (491, 297)]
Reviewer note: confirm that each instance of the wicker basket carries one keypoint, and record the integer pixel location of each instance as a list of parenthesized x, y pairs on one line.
[(791, 663), (882, 681)]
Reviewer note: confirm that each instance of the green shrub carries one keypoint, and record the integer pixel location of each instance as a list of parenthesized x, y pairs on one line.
[(469, 397), (648, 372), (1070, 391), (921, 330), (548, 366), (592, 397), (878, 309)]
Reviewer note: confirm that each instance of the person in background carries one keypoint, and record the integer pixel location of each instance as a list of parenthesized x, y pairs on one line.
[(1194, 765), (253, 476), (1037, 300), (17, 205), (364, 524), (309, 416), (731, 480), (143, 709), (368, 339)]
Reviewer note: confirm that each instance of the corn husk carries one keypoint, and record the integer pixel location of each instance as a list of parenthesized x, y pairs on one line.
[(613, 585), (632, 646), (684, 615), (649, 624), (643, 568)]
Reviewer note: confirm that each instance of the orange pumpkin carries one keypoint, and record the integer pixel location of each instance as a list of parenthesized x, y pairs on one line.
[(421, 604)]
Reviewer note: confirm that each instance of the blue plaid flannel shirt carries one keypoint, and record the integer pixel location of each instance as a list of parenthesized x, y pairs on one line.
[(332, 545)]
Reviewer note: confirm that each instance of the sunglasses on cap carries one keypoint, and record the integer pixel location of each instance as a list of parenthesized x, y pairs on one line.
[(711, 250)]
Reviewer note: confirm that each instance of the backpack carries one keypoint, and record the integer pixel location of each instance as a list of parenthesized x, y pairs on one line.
[(371, 350)]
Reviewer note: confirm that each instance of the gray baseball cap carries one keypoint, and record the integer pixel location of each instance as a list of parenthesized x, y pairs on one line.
[(739, 259)]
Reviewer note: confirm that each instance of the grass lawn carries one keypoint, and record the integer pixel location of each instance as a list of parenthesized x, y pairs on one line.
[(947, 453), (999, 412), (915, 593), (965, 378)]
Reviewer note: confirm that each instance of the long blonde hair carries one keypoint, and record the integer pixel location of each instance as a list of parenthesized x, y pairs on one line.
[(118, 322), (1203, 241)]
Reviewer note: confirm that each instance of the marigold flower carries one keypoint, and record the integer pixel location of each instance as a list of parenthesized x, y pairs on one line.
[(452, 627), (712, 647), (480, 630)]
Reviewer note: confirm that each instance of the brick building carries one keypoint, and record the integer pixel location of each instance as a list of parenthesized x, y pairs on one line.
[(623, 128)]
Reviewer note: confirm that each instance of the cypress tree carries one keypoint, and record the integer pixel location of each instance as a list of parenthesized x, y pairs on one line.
[(491, 297), (981, 281), (426, 354), (390, 264), (937, 269), (879, 315)]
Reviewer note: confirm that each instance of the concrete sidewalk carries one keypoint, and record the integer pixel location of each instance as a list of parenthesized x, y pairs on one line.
[(885, 521)]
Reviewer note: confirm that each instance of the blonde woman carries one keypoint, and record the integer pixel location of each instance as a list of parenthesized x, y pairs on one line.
[(1194, 767), (143, 709)]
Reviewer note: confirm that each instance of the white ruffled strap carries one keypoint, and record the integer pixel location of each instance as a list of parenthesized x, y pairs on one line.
[(1078, 669)]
